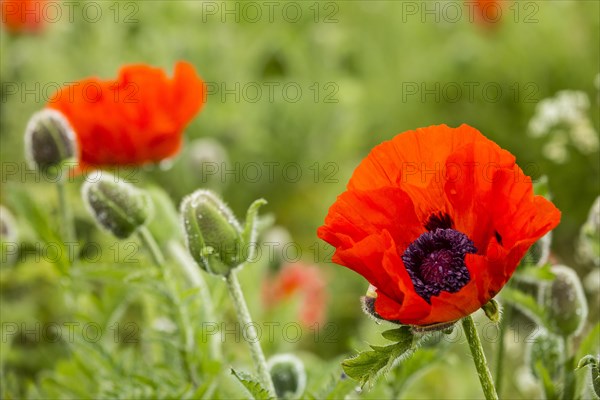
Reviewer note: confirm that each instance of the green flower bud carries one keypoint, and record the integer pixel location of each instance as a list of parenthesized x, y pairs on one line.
[(564, 301), (288, 374), (49, 140), (368, 303), (594, 371), (213, 234), (493, 310), (118, 207), (545, 350)]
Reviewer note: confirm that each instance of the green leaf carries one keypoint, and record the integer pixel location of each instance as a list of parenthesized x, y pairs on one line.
[(526, 304), (395, 335), (367, 366), (546, 380), (590, 344), (250, 228), (42, 225), (257, 391)]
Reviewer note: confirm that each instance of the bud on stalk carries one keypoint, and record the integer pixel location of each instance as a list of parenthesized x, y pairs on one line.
[(118, 207), (50, 141), (213, 234), (288, 374)]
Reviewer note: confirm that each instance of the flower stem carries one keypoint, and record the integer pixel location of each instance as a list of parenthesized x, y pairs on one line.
[(568, 368), (252, 336), (155, 252), (504, 325), (485, 377), (186, 335), (66, 215), (192, 272)]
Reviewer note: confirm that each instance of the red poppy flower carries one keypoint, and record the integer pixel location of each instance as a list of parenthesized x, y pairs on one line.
[(136, 119), (305, 280), (488, 11), (19, 16), (437, 220)]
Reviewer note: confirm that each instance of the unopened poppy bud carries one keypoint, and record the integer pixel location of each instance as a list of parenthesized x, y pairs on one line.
[(545, 351), (212, 232), (564, 301), (493, 310), (288, 375), (368, 303), (595, 371), (49, 140), (118, 207)]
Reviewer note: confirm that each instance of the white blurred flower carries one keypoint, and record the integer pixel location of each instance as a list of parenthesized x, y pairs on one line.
[(164, 324), (556, 148), (564, 118)]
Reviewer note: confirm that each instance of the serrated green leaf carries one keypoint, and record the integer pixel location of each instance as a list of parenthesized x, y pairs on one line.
[(255, 388), (367, 366), (398, 335), (526, 304)]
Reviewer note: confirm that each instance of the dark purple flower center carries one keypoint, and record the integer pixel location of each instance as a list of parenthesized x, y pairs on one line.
[(436, 262)]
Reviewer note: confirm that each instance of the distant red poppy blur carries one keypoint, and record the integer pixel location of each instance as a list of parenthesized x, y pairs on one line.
[(22, 16), (135, 119), (304, 281), (437, 220), (488, 11)]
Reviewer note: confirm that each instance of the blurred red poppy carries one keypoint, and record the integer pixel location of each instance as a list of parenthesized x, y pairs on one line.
[(437, 220), (136, 119), (488, 11), (307, 281), (20, 16)]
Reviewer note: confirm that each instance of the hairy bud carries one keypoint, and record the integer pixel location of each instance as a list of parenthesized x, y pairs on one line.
[(118, 207), (212, 232), (289, 376), (49, 140), (565, 301)]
